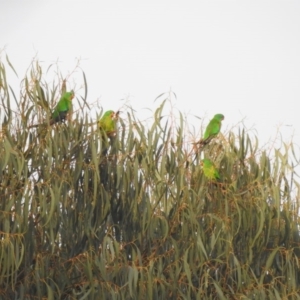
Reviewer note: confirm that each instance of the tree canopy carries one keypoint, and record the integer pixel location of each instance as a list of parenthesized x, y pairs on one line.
[(140, 220)]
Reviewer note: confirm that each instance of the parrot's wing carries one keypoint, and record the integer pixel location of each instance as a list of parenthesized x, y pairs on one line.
[(212, 129), (62, 108)]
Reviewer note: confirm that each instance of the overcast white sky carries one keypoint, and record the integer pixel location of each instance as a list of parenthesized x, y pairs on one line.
[(239, 58)]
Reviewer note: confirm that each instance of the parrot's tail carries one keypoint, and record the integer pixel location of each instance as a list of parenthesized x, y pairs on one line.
[(204, 142)]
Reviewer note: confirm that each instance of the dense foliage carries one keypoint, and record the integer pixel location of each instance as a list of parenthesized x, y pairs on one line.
[(140, 221)]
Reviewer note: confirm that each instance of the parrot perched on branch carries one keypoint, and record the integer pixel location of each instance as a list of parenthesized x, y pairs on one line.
[(212, 129), (108, 122), (108, 125), (61, 110), (209, 169)]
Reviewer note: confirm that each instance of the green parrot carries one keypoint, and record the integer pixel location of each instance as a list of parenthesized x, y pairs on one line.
[(61, 109), (108, 122), (212, 129), (209, 169)]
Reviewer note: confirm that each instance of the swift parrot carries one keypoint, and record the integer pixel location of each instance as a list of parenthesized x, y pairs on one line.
[(108, 122), (212, 129), (61, 110), (209, 169)]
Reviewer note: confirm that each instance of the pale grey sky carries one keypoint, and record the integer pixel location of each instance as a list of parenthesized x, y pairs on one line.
[(238, 58)]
